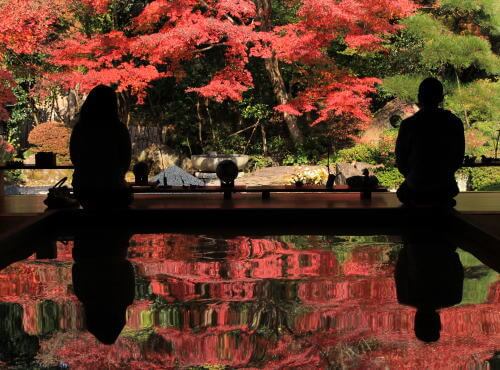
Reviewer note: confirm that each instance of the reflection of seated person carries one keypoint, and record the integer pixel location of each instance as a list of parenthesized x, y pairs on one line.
[(429, 150), (100, 150), (104, 281), (429, 276)]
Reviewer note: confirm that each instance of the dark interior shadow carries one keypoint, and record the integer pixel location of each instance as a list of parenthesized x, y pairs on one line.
[(429, 276), (104, 281)]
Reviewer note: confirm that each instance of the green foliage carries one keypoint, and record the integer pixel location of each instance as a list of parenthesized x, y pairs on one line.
[(254, 111), (476, 287), (285, 11), (404, 87), (259, 161), (21, 113), (488, 128), (443, 48), (481, 100), (299, 158), (311, 151), (358, 153), (390, 177), (424, 26), (381, 153), (484, 12), (483, 179)]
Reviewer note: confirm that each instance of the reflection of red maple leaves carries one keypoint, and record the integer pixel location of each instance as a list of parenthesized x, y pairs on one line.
[(214, 318)]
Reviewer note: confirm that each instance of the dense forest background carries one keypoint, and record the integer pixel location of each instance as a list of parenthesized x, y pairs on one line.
[(284, 81)]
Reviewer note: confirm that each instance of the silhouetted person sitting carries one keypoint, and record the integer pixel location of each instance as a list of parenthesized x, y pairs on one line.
[(429, 150), (100, 150)]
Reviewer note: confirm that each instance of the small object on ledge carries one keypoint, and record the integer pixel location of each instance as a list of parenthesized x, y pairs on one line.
[(60, 196), (487, 160), (299, 184), (468, 160), (366, 184), (227, 172), (330, 181), (45, 159), (141, 172)]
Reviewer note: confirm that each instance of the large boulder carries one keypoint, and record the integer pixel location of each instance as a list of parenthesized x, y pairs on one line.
[(395, 110)]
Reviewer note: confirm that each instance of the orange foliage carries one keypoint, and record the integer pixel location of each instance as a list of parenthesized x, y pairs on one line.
[(51, 137)]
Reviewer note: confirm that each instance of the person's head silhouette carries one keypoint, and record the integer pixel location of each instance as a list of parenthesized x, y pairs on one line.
[(430, 93), (101, 104), (427, 325)]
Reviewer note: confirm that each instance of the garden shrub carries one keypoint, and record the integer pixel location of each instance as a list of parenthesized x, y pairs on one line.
[(389, 177), (483, 179), (358, 153), (51, 137), (258, 161)]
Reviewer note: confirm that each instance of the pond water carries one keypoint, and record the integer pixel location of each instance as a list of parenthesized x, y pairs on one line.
[(242, 302)]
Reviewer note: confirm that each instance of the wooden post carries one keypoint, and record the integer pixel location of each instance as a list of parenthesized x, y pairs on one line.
[(266, 195)]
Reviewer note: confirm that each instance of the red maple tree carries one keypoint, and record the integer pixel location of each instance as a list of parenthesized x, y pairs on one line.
[(166, 34), (157, 41)]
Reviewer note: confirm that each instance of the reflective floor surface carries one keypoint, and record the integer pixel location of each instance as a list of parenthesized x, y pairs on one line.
[(156, 301)]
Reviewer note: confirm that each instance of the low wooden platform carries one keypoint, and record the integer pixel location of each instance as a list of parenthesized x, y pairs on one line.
[(471, 203), (292, 213)]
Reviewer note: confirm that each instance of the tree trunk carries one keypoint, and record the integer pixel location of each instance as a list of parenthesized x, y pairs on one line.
[(264, 10)]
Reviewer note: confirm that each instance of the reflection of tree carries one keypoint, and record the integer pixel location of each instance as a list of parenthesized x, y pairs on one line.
[(478, 279), (15, 345), (251, 302), (273, 313)]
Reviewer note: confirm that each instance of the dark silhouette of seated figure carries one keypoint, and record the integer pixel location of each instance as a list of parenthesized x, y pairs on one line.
[(104, 281), (429, 276), (100, 150), (429, 150)]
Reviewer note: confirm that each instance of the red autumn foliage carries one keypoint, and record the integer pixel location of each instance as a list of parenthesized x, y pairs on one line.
[(168, 33), (26, 24), (51, 137)]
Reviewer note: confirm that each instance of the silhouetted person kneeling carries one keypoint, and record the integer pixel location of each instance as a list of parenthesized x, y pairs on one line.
[(429, 150), (100, 150)]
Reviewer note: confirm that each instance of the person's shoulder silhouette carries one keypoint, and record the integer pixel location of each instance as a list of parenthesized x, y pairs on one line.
[(100, 150)]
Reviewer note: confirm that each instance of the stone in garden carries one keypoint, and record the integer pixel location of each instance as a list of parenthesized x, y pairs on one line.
[(177, 177)]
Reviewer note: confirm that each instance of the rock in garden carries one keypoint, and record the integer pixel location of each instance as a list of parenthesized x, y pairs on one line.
[(177, 177)]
